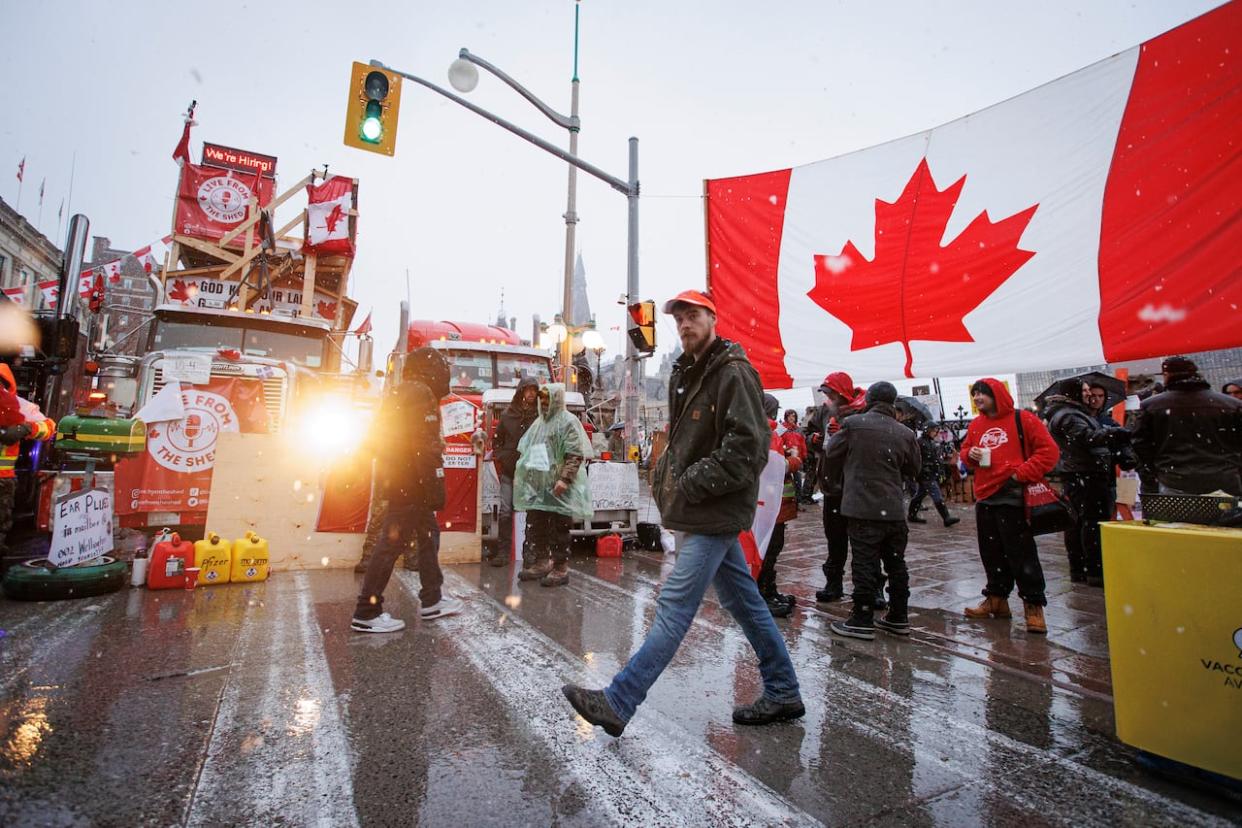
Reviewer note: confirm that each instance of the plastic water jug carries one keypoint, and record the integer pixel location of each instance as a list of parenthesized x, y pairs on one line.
[(214, 559), (250, 559), (608, 546), (169, 559)]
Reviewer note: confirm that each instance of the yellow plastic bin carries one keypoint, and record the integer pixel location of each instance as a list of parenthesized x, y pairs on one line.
[(1174, 604)]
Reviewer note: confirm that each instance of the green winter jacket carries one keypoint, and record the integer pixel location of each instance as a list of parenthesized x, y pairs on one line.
[(707, 480)]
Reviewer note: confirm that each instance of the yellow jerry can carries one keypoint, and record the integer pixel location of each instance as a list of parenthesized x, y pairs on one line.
[(250, 559), (214, 559)]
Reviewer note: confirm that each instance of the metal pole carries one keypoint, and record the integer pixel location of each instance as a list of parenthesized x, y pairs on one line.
[(571, 222), (633, 370)]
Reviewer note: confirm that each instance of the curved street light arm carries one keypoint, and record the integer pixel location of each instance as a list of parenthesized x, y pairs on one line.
[(571, 123), (616, 183)]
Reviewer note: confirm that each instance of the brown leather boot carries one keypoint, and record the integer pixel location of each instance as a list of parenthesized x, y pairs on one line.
[(558, 576), (1035, 619), (537, 571), (991, 606)]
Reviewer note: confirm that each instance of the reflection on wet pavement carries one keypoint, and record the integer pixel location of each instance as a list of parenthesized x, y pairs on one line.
[(255, 704)]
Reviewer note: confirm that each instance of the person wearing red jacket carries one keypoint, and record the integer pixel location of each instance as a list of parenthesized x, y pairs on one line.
[(1002, 467), (792, 442), (20, 420)]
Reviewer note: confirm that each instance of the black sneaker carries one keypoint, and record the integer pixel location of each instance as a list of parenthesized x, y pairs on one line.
[(854, 627), (765, 711), (792, 600), (827, 595), (894, 623), (593, 706), (778, 608), (914, 518)]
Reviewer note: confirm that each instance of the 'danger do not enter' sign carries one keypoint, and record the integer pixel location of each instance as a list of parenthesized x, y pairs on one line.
[(81, 528)]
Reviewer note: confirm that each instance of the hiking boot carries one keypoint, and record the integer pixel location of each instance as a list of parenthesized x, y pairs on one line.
[(765, 711), (498, 560), (1035, 619), (557, 576), (792, 600), (992, 606), (382, 623), (593, 706), (535, 571), (447, 605), (779, 608), (856, 626), (913, 517), (951, 521), (829, 594), (894, 622)]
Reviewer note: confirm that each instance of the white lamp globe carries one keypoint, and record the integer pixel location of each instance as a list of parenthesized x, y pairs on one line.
[(463, 75)]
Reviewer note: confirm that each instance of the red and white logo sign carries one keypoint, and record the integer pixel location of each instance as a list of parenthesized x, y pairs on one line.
[(993, 438), (224, 199), (190, 444)]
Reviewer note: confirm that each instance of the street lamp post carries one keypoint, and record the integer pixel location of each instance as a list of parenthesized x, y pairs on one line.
[(464, 77)]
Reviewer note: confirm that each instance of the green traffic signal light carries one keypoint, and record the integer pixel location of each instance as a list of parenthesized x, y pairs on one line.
[(372, 129)]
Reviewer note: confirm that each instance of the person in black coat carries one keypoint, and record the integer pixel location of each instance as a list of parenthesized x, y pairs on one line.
[(514, 421), (1190, 435), (873, 454), (929, 479), (410, 455), (1086, 467)]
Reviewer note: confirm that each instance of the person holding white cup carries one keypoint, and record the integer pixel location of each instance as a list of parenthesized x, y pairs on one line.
[(1002, 469)]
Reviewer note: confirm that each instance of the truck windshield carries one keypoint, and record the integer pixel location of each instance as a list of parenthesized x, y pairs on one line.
[(511, 368), (306, 351)]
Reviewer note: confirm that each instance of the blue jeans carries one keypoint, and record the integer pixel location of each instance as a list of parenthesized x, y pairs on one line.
[(705, 559)]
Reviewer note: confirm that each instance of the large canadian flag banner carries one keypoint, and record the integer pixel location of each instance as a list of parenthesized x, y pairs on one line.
[(1097, 218), (327, 217)]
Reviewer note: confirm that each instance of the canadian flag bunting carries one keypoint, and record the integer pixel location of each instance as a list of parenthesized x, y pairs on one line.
[(112, 270), (50, 291), (16, 295), (327, 217), (1095, 219)]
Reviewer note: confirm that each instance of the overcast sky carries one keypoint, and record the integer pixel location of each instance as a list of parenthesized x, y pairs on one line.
[(711, 89)]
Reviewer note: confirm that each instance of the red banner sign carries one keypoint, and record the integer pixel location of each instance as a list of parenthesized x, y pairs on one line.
[(212, 202), (174, 474), (215, 155)]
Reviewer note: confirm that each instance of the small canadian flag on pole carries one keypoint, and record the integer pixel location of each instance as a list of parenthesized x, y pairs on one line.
[(365, 327), (1093, 219)]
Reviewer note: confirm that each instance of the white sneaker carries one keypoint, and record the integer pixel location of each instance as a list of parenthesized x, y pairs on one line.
[(447, 605), (385, 623)]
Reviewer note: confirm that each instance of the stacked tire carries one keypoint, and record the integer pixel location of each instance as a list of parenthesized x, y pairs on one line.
[(38, 580)]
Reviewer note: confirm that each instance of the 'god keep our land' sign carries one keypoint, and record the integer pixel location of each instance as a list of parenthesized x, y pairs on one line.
[(81, 527)]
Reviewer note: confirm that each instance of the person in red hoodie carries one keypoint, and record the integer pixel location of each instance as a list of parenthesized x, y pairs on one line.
[(1002, 467)]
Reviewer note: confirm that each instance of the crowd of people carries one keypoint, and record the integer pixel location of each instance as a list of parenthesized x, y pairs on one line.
[(873, 469)]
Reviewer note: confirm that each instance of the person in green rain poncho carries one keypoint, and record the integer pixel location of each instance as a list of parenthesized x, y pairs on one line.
[(551, 486)]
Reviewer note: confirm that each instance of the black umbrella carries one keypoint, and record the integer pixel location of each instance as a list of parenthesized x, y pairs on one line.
[(915, 409), (1113, 387)]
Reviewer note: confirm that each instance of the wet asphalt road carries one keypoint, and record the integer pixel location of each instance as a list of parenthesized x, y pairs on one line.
[(256, 705)]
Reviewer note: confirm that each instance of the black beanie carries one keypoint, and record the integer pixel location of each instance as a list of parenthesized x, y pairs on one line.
[(882, 392), (1179, 366), (771, 406)]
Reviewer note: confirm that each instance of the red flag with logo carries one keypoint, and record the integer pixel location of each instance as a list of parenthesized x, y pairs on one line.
[(174, 473), (327, 217), (211, 202), (1094, 219)]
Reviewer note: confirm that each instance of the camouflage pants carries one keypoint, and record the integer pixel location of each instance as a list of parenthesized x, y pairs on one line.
[(375, 521), (8, 493)]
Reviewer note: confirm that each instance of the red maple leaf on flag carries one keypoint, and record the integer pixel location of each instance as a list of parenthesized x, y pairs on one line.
[(326, 309), (916, 288), (333, 218), (180, 291)]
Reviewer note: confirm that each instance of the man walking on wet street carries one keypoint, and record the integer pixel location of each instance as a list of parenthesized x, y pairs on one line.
[(412, 479), (514, 421), (706, 485), (873, 455)]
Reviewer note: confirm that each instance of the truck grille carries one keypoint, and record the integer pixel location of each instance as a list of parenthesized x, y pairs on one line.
[(273, 394)]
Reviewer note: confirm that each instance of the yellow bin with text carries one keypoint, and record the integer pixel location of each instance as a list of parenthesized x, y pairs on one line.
[(214, 558), (1174, 602), (250, 559)]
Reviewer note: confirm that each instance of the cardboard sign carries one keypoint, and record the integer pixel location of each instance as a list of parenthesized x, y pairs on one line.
[(81, 527), (613, 485), (456, 418), (194, 369)]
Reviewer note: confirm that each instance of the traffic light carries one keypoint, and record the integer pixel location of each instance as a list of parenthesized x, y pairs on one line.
[(642, 334), (372, 108)]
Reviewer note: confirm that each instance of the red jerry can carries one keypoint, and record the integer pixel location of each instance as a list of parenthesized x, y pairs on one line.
[(608, 546), (169, 560)]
